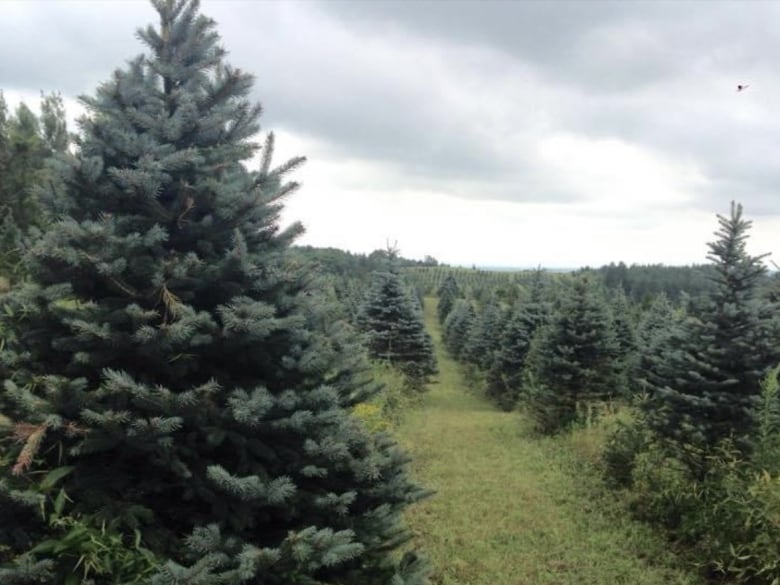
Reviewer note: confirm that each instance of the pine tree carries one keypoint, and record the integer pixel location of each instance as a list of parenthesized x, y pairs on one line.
[(54, 128), (27, 145), (655, 319), (572, 361), (392, 321), (706, 380), (504, 379), (457, 326), (448, 293), (654, 330), (168, 387), (625, 337), (484, 336)]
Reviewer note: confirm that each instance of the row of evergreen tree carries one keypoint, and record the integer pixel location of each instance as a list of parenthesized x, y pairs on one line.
[(557, 336), (564, 346), (28, 143)]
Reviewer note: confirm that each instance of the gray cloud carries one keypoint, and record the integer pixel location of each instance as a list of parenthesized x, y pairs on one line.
[(454, 96), (67, 46), (659, 74)]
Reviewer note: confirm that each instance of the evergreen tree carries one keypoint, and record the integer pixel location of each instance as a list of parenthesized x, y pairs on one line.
[(457, 326), (654, 331), (484, 336), (169, 389), (27, 145), (706, 380), (625, 337), (572, 361), (448, 293), (54, 128), (392, 321), (504, 379), (655, 320)]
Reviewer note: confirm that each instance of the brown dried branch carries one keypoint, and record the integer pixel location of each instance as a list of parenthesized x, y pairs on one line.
[(172, 304), (32, 437), (189, 205)]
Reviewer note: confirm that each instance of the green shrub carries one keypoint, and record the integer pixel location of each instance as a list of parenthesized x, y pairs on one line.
[(85, 548), (723, 514), (629, 439), (660, 488), (728, 522)]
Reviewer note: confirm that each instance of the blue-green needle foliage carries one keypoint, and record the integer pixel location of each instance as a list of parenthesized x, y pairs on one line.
[(171, 360), (704, 381)]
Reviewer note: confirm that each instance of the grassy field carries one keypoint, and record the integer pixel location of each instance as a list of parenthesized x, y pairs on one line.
[(512, 509)]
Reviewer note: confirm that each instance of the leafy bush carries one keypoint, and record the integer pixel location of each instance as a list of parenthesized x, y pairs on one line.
[(729, 522), (728, 519), (629, 439), (87, 548)]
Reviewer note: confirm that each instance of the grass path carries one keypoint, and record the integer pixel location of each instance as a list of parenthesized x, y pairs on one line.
[(511, 509)]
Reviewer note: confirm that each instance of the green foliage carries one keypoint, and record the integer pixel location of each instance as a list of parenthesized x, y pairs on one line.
[(448, 293), (653, 331), (82, 549), (27, 145), (389, 406), (484, 336), (391, 320), (704, 381), (572, 361), (169, 350), (724, 519), (457, 326), (625, 337), (472, 283), (626, 443), (766, 453), (505, 377), (642, 283)]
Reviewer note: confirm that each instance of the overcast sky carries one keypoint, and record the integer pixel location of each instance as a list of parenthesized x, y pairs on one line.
[(503, 133)]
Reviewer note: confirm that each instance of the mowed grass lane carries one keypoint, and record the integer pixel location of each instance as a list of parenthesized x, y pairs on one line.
[(511, 509)]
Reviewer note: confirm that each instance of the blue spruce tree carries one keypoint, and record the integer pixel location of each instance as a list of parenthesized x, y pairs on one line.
[(505, 377), (572, 361), (705, 379), (448, 293), (169, 390), (391, 319), (457, 326)]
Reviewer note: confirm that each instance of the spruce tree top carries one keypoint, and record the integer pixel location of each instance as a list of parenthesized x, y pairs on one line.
[(163, 220), (736, 272)]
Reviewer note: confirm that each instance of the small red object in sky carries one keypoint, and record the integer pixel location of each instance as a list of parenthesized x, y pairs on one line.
[(742, 87)]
